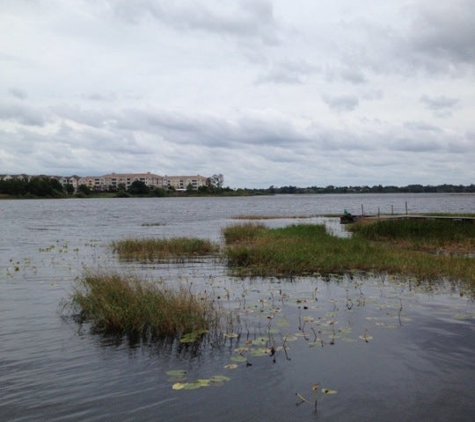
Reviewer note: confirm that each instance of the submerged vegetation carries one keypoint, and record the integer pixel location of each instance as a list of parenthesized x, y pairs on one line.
[(116, 303), (152, 249)]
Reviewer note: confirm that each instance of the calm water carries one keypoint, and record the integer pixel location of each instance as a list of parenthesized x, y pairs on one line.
[(392, 349)]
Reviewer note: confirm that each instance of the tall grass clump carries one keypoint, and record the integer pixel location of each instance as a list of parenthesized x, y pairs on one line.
[(152, 249), (243, 233), (116, 303)]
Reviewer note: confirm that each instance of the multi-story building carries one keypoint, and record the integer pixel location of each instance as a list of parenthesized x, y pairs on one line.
[(182, 182), (118, 180), (115, 180)]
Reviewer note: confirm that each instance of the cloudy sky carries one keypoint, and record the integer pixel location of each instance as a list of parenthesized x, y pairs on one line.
[(305, 92)]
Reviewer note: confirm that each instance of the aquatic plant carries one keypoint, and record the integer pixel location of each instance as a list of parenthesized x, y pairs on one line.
[(159, 249), (243, 233), (179, 378), (125, 304), (307, 249), (420, 233)]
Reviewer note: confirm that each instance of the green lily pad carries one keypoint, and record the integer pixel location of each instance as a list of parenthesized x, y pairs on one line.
[(176, 373), (178, 386), (239, 358), (261, 351), (194, 385), (219, 378)]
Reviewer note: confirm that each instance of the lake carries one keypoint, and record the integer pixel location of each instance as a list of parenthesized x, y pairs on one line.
[(380, 348)]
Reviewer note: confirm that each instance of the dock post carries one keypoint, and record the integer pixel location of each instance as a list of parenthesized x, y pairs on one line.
[(406, 207), (362, 210)]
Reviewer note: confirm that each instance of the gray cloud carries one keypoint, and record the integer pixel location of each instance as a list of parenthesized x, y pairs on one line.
[(446, 32), (24, 114), (341, 103), (438, 103), (442, 106), (18, 93), (422, 126), (247, 19), (288, 72)]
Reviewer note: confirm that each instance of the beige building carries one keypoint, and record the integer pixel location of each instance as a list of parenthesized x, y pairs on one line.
[(126, 179), (114, 180), (182, 182)]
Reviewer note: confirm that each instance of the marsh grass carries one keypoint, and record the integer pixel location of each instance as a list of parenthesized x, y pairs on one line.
[(243, 233), (420, 234), (120, 304), (153, 250), (308, 249)]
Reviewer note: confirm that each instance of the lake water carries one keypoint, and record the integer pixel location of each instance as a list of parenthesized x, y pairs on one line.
[(391, 349)]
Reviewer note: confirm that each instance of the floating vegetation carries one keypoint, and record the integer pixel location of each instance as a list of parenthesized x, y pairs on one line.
[(315, 389), (192, 337), (156, 250), (216, 380)]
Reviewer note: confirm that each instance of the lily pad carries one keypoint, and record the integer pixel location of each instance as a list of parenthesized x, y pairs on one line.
[(219, 378), (231, 335), (261, 351), (231, 366), (328, 391), (191, 337), (239, 358), (176, 373), (194, 385)]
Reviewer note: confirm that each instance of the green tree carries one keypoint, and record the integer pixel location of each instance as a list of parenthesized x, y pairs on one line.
[(138, 188), (159, 192), (69, 189), (83, 189)]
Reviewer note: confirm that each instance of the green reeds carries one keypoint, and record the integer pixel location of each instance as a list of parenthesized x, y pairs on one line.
[(115, 303), (152, 249), (308, 249), (420, 233), (243, 233)]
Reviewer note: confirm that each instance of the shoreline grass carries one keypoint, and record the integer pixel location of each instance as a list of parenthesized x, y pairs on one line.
[(153, 249), (122, 304), (429, 235), (306, 249)]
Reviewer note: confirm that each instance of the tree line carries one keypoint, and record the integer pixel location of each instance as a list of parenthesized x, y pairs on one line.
[(46, 187), (414, 188)]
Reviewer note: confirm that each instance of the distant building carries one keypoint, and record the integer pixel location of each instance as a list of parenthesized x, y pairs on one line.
[(181, 183), (117, 180), (113, 180)]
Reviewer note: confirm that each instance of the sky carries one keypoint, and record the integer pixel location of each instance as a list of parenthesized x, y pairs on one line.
[(267, 93)]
